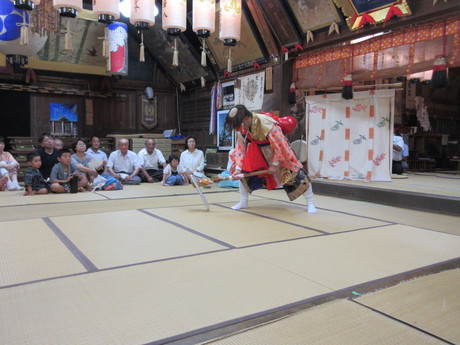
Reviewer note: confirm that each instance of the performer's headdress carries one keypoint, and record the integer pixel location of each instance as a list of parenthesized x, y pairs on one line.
[(233, 112)]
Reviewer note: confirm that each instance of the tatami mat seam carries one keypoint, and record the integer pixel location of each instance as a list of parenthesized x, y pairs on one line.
[(113, 268), (116, 199), (326, 209), (327, 234), (82, 258), (400, 321), (325, 297), (276, 220), (180, 226)]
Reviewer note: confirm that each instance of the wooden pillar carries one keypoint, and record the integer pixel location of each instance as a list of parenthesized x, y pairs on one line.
[(282, 79)]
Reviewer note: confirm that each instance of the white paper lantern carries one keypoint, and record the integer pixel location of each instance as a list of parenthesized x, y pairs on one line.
[(107, 10), (204, 17), (68, 8), (174, 16), (230, 21), (142, 13)]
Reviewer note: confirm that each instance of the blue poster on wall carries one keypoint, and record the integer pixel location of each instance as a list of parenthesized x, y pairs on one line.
[(63, 112)]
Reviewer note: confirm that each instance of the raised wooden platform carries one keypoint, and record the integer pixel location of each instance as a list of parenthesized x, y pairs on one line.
[(423, 192)]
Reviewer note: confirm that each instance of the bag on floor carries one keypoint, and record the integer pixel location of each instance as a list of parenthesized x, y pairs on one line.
[(98, 182), (112, 184)]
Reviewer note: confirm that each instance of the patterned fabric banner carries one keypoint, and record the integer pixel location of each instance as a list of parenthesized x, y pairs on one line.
[(350, 139), (249, 91), (407, 36)]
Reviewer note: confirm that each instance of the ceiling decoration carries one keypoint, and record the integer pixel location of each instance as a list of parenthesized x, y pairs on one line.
[(362, 12), (314, 15)]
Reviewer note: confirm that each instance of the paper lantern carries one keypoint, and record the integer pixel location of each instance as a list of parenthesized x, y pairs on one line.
[(107, 10), (13, 23), (174, 16), (117, 34), (230, 21), (204, 17), (142, 13), (26, 5), (68, 8)]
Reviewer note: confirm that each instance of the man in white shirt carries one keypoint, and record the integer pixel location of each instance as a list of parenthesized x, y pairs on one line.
[(124, 164), (398, 146), (94, 151), (152, 162)]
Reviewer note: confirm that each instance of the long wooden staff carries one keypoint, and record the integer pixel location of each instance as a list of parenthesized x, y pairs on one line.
[(254, 173)]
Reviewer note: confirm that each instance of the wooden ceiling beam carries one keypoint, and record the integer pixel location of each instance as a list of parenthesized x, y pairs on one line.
[(263, 27)]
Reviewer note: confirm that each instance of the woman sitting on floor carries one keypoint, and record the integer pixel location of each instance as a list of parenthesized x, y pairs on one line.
[(8, 169)]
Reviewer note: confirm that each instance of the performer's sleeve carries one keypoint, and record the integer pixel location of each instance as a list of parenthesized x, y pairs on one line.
[(279, 145), (238, 154)]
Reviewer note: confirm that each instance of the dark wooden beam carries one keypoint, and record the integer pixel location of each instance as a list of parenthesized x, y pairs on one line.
[(262, 26)]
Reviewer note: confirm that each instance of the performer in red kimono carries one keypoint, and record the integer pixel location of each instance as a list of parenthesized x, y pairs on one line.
[(261, 145)]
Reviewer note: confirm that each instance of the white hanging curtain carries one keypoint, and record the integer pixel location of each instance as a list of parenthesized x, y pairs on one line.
[(350, 139)]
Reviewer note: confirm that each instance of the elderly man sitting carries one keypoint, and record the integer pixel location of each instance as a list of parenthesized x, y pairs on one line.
[(124, 164), (152, 162)]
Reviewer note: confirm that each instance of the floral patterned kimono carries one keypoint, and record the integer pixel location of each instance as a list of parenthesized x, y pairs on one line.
[(263, 145)]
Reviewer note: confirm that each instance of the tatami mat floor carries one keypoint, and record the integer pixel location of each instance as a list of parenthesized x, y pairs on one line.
[(149, 265)]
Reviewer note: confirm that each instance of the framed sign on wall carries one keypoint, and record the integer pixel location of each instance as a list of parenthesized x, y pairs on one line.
[(149, 112), (225, 138)]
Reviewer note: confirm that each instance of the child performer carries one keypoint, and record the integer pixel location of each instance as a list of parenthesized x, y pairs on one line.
[(261, 145), (173, 174), (33, 178)]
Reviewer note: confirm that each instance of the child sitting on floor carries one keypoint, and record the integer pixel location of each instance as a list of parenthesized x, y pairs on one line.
[(173, 173), (33, 178), (65, 177)]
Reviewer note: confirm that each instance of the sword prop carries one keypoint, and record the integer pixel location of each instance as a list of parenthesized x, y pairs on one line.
[(254, 173), (197, 186)]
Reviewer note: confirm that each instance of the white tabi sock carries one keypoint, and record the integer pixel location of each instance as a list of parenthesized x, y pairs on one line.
[(309, 197), (243, 198)]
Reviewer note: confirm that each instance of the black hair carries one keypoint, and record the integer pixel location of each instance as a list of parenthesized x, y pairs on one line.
[(235, 117), (61, 152), (187, 139), (42, 137), (2, 139), (171, 157), (75, 143), (92, 137), (32, 155)]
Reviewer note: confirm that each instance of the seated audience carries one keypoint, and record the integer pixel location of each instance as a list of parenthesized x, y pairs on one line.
[(33, 179), (58, 144), (65, 177), (48, 154), (94, 151), (152, 162), (173, 173), (192, 159), (124, 164), (8, 169), (82, 160)]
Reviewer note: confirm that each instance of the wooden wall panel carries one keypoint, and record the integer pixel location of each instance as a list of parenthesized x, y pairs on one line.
[(195, 113), (118, 115), (40, 112)]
